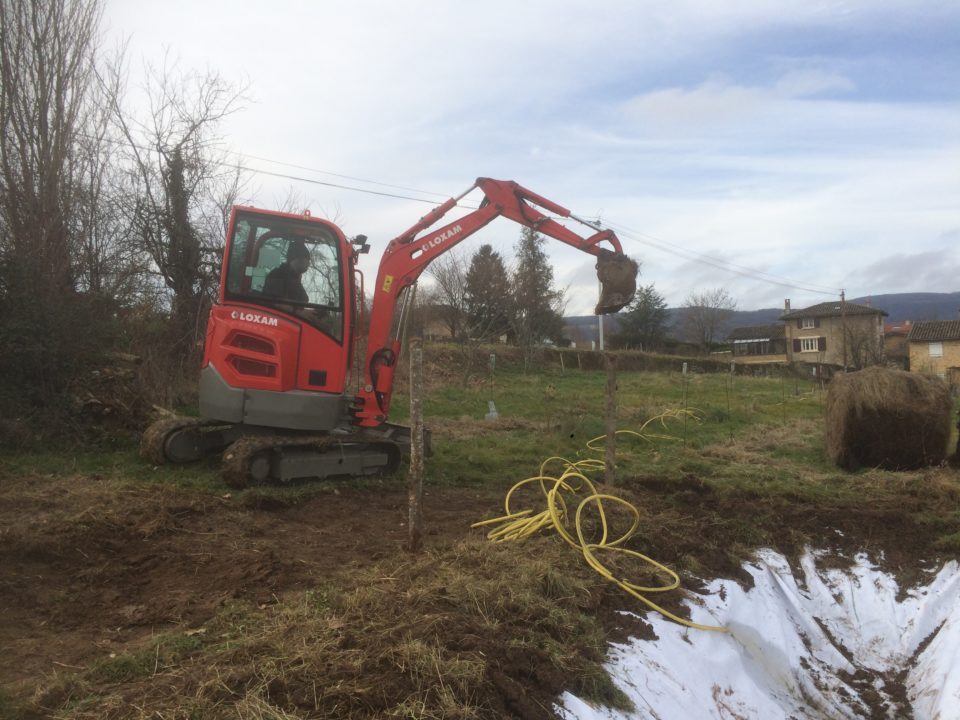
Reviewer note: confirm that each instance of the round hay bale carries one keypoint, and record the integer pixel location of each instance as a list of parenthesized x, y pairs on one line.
[(887, 418)]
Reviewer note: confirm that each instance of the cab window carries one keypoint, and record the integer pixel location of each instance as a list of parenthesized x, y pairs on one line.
[(290, 266)]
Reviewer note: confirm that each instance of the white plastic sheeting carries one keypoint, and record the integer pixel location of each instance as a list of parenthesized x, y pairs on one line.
[(830, 644)]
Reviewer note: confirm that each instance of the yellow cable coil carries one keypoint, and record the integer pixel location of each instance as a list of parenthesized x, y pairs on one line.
[(522, 524)]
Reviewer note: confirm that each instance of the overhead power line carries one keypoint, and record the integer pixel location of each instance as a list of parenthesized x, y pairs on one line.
[(297, 178), (345, 177), (734, 268), (313, 181), (629, 233)]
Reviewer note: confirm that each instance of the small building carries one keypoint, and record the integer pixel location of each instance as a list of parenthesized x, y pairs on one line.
[(935, 349), (836, 334), (759, 344)]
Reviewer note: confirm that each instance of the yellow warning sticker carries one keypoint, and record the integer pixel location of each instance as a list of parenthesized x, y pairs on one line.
[(387, 283)]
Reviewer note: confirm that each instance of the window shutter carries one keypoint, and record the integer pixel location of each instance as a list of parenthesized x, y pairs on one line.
[(799, 323), (821, 344), (796, 346), (816, 322)]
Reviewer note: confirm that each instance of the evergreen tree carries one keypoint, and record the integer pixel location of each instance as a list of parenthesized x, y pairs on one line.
[(537, 304), (643, 323), (487, 295)]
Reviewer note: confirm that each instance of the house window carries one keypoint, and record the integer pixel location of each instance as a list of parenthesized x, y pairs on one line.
[(808, 344), (751, 347), (808, 323), (936, 349)]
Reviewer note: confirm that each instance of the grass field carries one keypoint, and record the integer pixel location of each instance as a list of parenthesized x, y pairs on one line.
[(162, 593)]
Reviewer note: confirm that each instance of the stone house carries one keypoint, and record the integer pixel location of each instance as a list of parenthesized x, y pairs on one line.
[(935, 349), (834, 334)]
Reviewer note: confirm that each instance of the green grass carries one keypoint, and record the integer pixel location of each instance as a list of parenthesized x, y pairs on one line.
[(560, 412), (159, 654), (121, 463)]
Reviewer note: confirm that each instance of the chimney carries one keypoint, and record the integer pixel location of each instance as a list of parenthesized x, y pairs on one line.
[(786, 305)]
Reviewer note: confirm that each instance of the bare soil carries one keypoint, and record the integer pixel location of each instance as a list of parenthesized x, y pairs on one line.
[(89, 570)]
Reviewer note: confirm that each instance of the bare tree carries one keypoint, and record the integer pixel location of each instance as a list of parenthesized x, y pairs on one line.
[(449, 272), (47, 57), (181, 186), (864, 345), (46, 67), (706, 313), (109, 262)]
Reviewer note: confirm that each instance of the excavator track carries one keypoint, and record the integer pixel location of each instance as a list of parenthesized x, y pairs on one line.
[(184, 439), (263, 460), (154, 440)]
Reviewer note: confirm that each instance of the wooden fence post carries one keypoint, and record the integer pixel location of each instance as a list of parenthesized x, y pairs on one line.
[(610, 455), (415, 478)]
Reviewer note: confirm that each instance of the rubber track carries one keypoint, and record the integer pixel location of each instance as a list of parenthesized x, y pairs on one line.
[(155, 437), (237, 457)]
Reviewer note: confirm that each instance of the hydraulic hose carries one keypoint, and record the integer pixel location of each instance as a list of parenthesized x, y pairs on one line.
[(560, 492)]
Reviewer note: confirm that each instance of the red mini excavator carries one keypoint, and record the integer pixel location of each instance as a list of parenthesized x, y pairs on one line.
[(275, 387)]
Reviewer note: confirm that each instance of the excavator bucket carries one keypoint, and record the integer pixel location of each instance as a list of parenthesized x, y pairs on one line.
[(618, 282)]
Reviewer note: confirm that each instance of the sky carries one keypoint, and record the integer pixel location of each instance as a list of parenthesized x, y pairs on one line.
[(752, 145)]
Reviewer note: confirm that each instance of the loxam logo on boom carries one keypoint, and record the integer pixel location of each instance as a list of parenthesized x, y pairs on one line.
[(441, 238), (254, 318)]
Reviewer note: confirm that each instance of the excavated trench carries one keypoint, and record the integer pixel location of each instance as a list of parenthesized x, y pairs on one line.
[(831, 638)]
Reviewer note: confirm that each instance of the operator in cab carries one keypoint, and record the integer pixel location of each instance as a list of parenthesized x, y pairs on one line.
[(284, 281)]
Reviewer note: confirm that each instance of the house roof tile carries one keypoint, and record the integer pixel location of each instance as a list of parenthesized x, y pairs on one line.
[(897, 328), (934, 330), (833, 309)]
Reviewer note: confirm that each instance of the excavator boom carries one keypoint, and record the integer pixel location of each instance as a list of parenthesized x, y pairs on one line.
[(408, 255)]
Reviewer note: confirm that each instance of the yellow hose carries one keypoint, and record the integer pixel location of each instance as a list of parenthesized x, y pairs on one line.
[(517, 525)]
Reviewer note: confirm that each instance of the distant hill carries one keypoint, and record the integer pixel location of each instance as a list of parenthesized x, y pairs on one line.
[(916, 306), (899, 306)]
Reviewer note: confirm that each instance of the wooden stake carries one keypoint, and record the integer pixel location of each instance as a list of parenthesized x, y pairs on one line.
[(684, 404), (415, 478), (610, 455)]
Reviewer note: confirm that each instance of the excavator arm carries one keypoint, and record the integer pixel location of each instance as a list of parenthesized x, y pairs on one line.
[(408, 255)]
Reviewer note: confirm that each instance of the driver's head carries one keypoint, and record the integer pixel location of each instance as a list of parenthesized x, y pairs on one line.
[(298, 257)]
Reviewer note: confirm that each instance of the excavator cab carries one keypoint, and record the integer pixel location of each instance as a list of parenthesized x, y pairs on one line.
[(294, 266), (278, 344)]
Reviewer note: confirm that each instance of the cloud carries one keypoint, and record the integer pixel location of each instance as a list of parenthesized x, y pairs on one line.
[(808, 83), (806, 140), (915, 272)]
